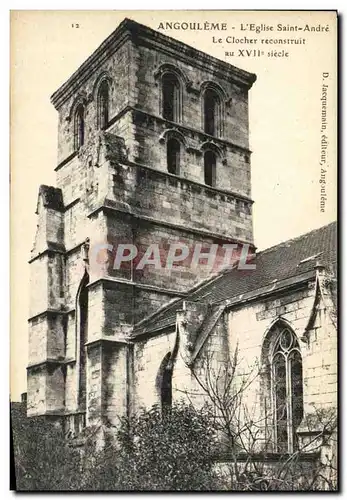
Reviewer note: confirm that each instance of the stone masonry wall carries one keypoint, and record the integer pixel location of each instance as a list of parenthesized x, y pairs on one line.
[(149, 61), (148, 355), (247, 328), (179, 202), (115, 67)]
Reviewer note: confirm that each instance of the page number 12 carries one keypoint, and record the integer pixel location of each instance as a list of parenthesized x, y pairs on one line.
[(75, 25)]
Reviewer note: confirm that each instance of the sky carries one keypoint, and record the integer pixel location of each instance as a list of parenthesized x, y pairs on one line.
[(284, 112)]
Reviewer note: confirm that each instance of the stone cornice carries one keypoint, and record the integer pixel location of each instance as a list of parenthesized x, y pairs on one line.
[(47, 313), (46, 362), (142, 35), (106, 341), (91, 64), (52, 248), (192, 56), (282, 286), (115, 282), (66, 160), (107, 207), (183, 127)]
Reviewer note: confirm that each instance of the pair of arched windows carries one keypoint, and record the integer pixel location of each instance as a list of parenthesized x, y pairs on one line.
[(173, 155), (172, 104), (102, 115)]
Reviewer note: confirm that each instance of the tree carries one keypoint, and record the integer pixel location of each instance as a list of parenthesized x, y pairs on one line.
[(43, 458), (161, 452), (247, 440)]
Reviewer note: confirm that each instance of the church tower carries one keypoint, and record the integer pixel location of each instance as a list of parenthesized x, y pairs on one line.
[(152, 149)]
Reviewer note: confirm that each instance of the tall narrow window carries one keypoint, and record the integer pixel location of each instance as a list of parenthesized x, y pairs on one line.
[(165, 382), (173, 156), (286, 375), (170, 97), (103, 105), (211, 112), (79, 127), (82, 302), (210, 168)]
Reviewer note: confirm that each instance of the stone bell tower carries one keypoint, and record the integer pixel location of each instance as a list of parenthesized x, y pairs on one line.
[(152, 149)]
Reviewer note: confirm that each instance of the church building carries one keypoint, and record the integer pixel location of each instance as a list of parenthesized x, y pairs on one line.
[(153, 149)]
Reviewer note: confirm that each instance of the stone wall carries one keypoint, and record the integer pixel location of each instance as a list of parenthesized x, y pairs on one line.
[(249, 325), (148, 355), (244, 329), (115, 189), (116, 68)]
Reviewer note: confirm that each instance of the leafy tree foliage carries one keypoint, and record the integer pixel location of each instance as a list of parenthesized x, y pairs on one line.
[(43, 458), (163, 452), (152, 451)]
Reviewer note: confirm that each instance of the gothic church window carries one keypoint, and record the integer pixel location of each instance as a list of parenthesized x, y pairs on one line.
[(212, 112), (210, 168), (79, 127), (171, 97), (103, 105), (173, 156), (287, 390)]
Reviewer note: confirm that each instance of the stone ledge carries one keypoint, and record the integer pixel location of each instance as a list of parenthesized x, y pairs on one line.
[(113, 282), (52, 248), (48, 312), (46, 362), (203, 135), (66, 160), (195, 185), (107, 341), (107, 206), (144, 35), (260, 293), (185, 128)]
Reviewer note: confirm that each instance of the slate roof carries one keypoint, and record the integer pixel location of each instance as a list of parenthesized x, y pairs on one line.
[(286, 262)]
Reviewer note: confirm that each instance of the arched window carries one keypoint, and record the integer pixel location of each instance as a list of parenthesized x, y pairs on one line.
[(82, 332), (170, 97), (173, 148), (212, 112), (287, 389), (210, 168), (79, 127), (103, 105), (164, 381)]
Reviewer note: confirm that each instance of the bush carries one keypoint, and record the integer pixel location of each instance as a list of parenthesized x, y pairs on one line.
[(169, 453), (43, 459)]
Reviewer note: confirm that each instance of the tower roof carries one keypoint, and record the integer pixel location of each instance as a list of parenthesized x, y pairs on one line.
[(143, 35)]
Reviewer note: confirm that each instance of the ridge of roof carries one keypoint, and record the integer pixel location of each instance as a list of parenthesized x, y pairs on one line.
[(279, 263), (287, 243)]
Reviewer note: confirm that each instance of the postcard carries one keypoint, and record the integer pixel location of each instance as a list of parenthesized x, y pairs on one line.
[(174, 250)]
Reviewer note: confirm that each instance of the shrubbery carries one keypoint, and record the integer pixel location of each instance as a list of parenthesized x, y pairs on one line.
[(172, 452), (43, 461)]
